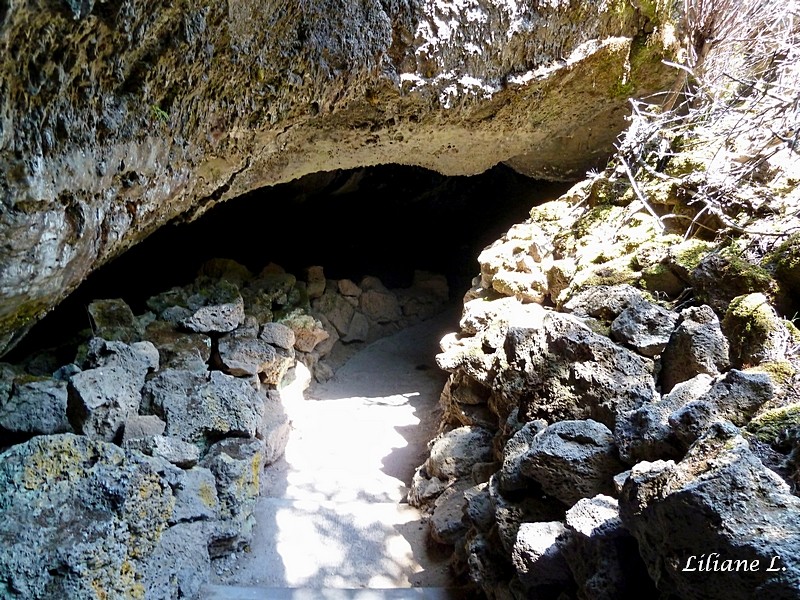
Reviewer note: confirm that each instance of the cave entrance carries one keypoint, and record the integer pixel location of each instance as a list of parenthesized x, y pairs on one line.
[(331, 509), (385, 221)]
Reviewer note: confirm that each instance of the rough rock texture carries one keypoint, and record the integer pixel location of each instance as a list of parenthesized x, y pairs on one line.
[(127, 116), (79, 517), (675, 513), (573, 460)]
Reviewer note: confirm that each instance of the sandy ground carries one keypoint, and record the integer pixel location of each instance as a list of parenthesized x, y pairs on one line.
[(333, 511)]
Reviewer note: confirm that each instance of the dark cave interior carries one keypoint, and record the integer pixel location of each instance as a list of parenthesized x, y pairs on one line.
[(384, 221)]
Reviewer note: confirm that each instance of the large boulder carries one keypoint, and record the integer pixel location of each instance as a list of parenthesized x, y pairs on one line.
[(79, 516), (717, 525), (122, 123)]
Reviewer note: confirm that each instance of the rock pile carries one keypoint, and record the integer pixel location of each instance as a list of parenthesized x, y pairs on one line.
[(140, 462), (605, 432)]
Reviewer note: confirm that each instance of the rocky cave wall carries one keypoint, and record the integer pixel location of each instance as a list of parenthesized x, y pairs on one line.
[(118, 117)]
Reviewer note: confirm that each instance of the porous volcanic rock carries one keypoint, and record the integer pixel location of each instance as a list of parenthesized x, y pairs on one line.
[(126, 116)]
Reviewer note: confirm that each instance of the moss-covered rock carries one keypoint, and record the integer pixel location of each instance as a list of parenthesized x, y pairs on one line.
[(771, 425), (755, 332)]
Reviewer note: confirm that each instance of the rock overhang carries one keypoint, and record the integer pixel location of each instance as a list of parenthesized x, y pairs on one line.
[(119, 118)]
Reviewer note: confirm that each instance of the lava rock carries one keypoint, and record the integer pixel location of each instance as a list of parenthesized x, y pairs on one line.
[(179, 350), (199, 407), (718, 504), (139, 426), (645, 327), (755, 331), (277, 335), (243, 356), (379, 306), (538, 556), (101, 400), (35, 405), (221, 310), (573, 460), (514, 453), (454, 453), (646, 434), (196, 497), (603, 301), (79, 515), (448, 525), (177, 452), (113, 320), (696, 346)]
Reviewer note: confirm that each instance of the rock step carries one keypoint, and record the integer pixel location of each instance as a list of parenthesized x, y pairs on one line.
[(328, 544), (230, 592)]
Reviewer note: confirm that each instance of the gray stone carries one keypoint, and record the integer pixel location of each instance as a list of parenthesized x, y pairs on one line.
[(358, 330), (645, 327), (517, 447), (100, 400), (603, 301), (601, 554), (78, 515), (646, 434), (336, 309), (139, 426), (479, 509), (196, 497), (278, 335), (35, 405), (718, 503), (139, 358), (573, 460), (454, 453), (538, 555), (448, 525), (424, 488), (171, 449), (274, 429), (180, 564), (199, 407), (65, 372), (696, 346), (236, 464), (242, 356), (220, 310)]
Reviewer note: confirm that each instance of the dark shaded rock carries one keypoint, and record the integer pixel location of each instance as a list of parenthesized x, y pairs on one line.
[(723, 275), (645, 327), (113, 320), (601, 553), (573, 460), (479, 509), (78, 516), (735, 397), (448, 522), (34, 405), (379, 306), (696, 346), (514, 453), (646, 433), (563, 370), (227, 269), (718, 503), (179, 350), (511, 511), (538, 556), (274, 429)]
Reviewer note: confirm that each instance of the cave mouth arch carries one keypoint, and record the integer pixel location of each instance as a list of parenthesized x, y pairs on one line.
[(386, 221)]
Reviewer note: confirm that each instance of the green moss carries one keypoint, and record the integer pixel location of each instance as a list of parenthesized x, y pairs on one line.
[(770, 425), (785, 260), (691, 252), (751, 277), (780, 372)]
